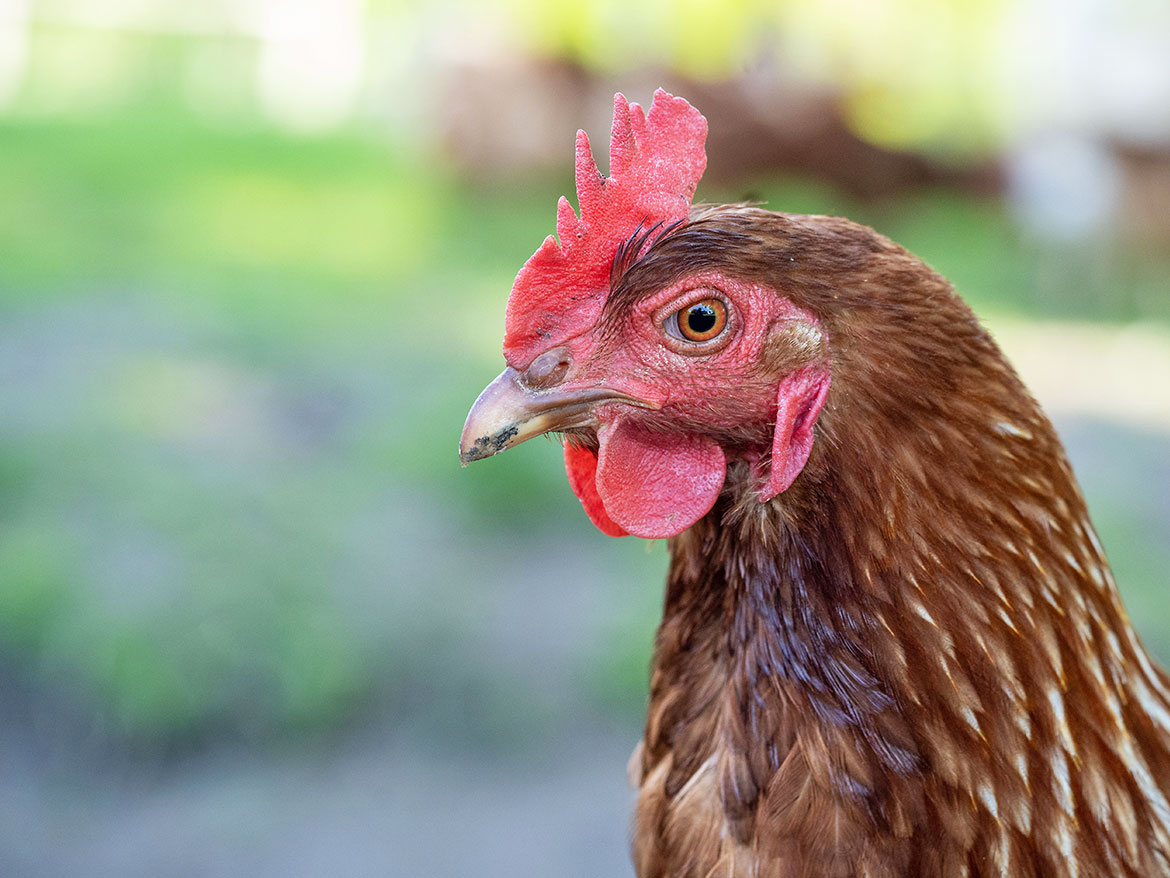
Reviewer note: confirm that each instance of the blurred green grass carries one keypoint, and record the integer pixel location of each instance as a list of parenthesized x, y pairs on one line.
[(236, 365)]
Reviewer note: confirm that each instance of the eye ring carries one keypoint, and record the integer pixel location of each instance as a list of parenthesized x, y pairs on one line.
[(669, 318), (699, 322)]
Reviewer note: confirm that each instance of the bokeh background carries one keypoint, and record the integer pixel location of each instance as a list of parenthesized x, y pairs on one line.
[(254, 254)]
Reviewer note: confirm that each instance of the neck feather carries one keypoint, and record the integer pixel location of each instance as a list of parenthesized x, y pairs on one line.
[(913, 655)]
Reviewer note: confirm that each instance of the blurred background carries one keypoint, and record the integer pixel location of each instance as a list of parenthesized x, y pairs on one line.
[(254, 254)]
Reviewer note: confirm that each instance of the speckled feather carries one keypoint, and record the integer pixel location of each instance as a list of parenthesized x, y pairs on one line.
[(914, 661)]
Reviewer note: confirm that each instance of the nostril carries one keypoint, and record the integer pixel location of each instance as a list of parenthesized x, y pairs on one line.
[(547, 370)]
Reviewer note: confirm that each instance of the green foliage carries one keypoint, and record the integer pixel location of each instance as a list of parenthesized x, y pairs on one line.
[(240, 360), (148, 195), (184, 469)]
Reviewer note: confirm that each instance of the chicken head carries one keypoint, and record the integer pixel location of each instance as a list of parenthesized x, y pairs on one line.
[(657, 378)]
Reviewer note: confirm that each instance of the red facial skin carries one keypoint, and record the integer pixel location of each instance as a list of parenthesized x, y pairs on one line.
[(656, 159), (660, 468)]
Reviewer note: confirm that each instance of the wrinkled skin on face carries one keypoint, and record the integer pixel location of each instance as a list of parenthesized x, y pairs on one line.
[(652, 410), (650, 455)]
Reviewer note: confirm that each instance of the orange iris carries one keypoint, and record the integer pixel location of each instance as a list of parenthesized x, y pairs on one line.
[(703, 320)]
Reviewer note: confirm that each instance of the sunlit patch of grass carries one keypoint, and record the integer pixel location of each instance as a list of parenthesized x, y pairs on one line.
[(333, 229), (157, 198)]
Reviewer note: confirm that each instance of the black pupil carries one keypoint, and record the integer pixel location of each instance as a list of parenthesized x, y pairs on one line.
[(701, 319)]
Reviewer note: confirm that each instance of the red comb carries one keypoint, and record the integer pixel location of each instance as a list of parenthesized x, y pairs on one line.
[(655, 162)]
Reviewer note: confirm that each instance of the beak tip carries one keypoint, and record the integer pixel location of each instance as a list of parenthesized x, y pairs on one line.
[(486, 446)]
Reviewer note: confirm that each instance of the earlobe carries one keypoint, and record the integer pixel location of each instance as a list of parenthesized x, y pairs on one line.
[(799, 400)]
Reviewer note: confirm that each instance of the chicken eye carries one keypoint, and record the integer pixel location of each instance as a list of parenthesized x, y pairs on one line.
[(701, 321)]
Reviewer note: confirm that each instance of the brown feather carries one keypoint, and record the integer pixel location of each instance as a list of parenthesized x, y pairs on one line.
[(915, 660)]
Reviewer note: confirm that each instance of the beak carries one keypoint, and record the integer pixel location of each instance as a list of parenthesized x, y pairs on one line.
[(509, 411)]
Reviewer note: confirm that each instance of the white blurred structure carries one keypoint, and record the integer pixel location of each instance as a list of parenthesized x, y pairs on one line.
[(1080, 88), (312, 62), (1089, 84), (1065, 186), (308, 67), (14, 31)]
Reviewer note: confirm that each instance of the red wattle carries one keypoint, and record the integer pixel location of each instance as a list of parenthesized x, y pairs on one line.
[(581, 467), (656, 485)]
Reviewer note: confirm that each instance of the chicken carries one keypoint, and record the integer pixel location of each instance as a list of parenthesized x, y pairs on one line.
[(891, 644)]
